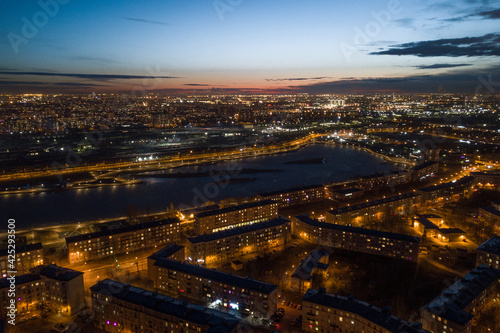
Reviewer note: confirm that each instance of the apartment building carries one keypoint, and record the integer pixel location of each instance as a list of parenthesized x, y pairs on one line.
[(370, 241), (235, 216), (126, 239)]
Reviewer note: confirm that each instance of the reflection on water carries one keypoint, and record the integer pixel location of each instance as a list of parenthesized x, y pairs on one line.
[(340, 163)]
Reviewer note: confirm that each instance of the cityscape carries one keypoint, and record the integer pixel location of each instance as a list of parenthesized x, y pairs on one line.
[(240, 167)]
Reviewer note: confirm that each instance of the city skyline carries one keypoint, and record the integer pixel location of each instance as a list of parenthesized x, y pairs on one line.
[(250, 47)]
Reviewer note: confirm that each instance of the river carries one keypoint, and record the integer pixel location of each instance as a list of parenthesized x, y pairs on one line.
[(287, 170)]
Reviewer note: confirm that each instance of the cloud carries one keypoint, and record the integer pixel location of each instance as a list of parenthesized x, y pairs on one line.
[(436, 66), (491, 14), (197, 85), (90, 76), (464, 81), (487, 45), (299, 78), (145, 21)]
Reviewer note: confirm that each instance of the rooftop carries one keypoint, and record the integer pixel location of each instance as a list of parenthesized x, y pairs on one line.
[(116, 231), (380, 317), (235, 208), (166, 252), (492, 210), (492, 246), (306, 267), (452, 302), (288, 190), (24, 248), (214, 275), (423, 165), (459, 182), (372, 203), (363, 231), (348, 190), (56, 273), (20, 279), (218, 322), (237, 231)]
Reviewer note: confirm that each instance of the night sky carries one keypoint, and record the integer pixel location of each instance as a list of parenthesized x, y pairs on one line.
[(276, 46)]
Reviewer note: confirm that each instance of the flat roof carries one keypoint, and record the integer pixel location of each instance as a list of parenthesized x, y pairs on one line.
[(451, 303), (373, 203), (234, 208), (363, 231), (492, 210), (214, 275), (349, 190), (20, 279), (166, 252), (121, 230), (56, 272), (23, 248), (380, 317), (423, 165), (236, 231), (219, 322), (288, 190), (461, 181), (492, 245)]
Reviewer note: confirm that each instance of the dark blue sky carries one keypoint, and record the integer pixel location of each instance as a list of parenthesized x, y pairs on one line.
[(323, 46)]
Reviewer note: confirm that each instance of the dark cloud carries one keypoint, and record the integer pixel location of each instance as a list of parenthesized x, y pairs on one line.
[(197, 85), (436, 66), (145, 21), (299, 78), (487, 45), (465, 81), (90, 76), (491, 14)]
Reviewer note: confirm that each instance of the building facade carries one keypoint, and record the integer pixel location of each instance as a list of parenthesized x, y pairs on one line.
[(295, 196), (210, 286), (126, 239), (56, 288), (488, 253), (329, 313), (235, 216), (124, 308), (224, 246), (26, 257), (356, 239), (446, 191), (376, 209)]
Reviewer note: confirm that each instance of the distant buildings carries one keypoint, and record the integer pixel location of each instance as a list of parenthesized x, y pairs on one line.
[(295, 196), (446, 191), (488, 253), (324, 312), (224, 246), (26, 257), (56, 288), (121, 307), (110, 242), (359, 213), (235, 216), (202, 284), (455, 308), (357, 239)]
